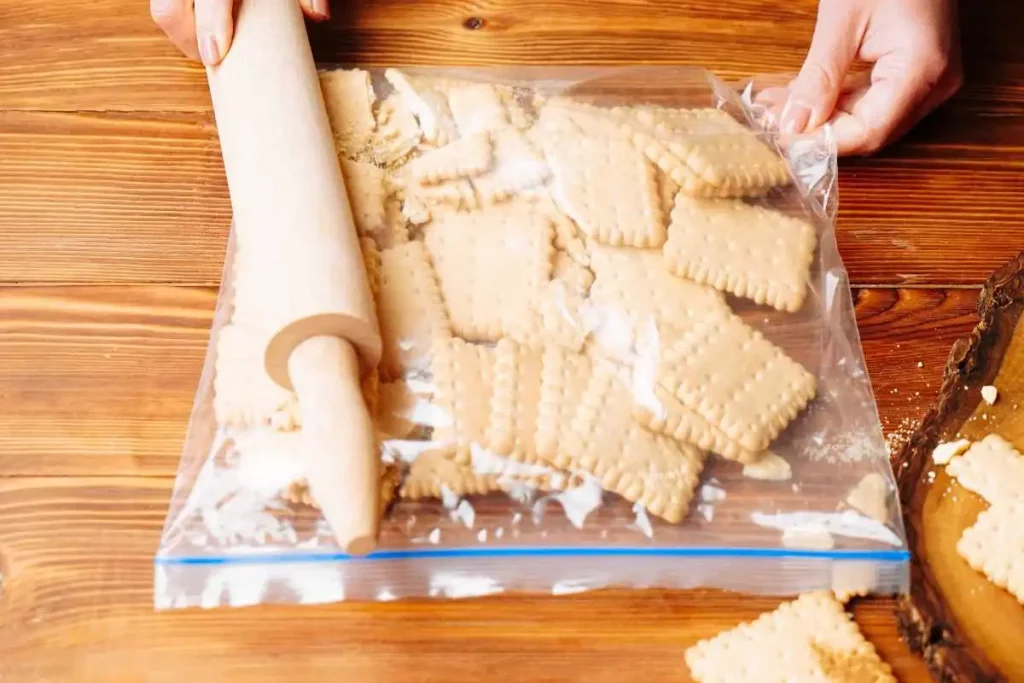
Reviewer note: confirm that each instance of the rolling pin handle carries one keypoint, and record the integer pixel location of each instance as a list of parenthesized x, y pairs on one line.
[(340, 447)]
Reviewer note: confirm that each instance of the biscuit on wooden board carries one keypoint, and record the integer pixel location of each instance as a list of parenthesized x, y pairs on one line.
[(992, 468), (809, 640), (397, 133), (477, 108), (994, 546), (743, 249)]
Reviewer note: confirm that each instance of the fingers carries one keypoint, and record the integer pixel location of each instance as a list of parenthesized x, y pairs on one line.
[(901, 93), (317, 10), (214, 29), (813, 93), (177, 20)]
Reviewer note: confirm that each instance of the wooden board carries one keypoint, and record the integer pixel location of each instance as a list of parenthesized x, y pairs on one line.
[(954, 615)]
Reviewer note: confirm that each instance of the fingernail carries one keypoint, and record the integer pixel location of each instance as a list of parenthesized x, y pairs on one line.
[(320, 8), (794, 117), (209, 50)]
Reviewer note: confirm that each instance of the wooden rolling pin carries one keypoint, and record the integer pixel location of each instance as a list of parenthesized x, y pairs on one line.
[(294, 225)]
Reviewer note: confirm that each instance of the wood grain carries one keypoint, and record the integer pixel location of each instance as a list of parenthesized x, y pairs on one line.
[(100, 380), (108, 55), (77, 607), (123, 198)]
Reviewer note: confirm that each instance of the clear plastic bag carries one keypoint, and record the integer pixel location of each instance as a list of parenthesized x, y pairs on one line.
[(550, 432)]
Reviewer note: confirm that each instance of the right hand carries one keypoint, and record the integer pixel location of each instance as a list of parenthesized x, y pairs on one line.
[(203, 29)]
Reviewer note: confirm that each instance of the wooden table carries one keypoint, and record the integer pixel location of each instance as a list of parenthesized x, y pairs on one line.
[(113, 220)]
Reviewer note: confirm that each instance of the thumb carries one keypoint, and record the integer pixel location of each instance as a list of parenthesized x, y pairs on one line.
[(815, 90)]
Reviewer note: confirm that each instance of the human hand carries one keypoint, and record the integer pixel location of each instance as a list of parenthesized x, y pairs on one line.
[(202, 29), (913, 47)]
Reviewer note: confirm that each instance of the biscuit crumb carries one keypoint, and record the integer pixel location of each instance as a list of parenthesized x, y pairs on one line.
[(945, 452), (989, 393)]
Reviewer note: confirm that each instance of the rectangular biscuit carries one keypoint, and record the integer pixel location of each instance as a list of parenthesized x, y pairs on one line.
[(492, 266), (440, 474), (746, 250), (657, 410), (428, 105), (645, 468), (517, 167), (734, 378), (476, 108), (366, 188), (634, 296), (560, 314), (709, 154), (564, 377), (607, 187), (992, 468), (397, 133), (348, 96), (463, 382), (512, 423), (809, 639), (243, 393), (994, 546), (463, 158), (410, 311)]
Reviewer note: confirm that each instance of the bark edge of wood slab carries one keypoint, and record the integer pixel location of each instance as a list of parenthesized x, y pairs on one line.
[(925, 618)]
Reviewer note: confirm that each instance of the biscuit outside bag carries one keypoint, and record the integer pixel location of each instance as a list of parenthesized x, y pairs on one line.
[(619, 351)]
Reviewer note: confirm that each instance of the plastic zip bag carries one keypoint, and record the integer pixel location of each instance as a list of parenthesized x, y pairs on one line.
[(590, 378)]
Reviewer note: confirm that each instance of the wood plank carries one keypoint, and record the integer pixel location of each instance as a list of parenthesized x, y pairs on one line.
[(76, 556), (112, 57), (101, 380), (127, 198)]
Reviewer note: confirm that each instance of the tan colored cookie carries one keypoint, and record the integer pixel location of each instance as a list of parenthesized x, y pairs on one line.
[(428, 105), (809, 640), (410, 311), (734, 378), (567, 235), (518, 167), (645, 468), (564, 378), (634, 296), (747, 250), (397, 133), (477, 108), (371, 261), (463, 383), (727, 159), (492, 266), (348, 95), (395, 231), (243, 393), (366, 192), (513, 420), (464, 158), (398, 410), (994, 546), (667, 190), (607, 187), (454, 195), (657, 410), (992, 468), (438, 473)]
